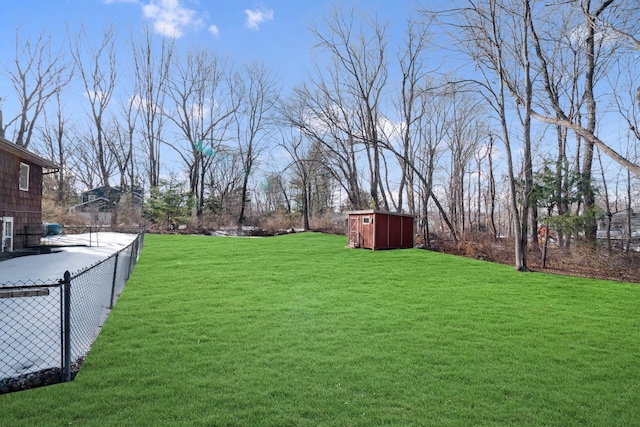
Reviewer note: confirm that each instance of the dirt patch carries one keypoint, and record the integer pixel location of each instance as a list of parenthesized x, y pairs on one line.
[(37, 379)]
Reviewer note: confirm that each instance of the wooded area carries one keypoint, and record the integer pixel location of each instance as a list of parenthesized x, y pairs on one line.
[(493, 118)]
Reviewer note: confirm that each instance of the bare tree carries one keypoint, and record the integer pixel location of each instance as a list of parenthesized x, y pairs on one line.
[(97, 67), (55, 140), (224, 180), (321, 115), (120, 138), (203, 106), (84, 156), (479, 155), (152, 64), (625, 94), (297, 147), (275, 192), (465, 132), (596, 51), (414, 74), (98, 70), (493, 34), (490, 199), (560, 73), (592, 15), (358, 71), (430, 135), (39, 72), (254, 120)]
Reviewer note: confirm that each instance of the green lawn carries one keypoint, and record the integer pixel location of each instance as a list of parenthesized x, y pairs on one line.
[(299, 331)]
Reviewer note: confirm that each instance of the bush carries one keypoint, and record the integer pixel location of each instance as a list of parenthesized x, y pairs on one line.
[(279, 222), (329, 223)]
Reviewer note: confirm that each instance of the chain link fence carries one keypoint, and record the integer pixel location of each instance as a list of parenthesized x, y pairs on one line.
[(47, 329)]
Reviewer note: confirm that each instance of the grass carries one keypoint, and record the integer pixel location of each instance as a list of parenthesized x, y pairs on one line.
[(300, 331)]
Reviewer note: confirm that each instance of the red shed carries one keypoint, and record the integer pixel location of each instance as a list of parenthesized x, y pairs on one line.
[(374, 229)]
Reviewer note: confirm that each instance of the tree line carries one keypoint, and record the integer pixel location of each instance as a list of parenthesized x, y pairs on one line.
[(493, 116)]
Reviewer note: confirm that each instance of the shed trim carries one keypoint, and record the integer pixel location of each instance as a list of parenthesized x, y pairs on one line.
[(378, 211)]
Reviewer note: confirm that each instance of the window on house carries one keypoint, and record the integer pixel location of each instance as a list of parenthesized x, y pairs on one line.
[(366, 220), (24, 177), (6, 234)]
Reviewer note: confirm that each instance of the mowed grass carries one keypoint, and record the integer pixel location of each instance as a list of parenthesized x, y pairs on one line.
[(300, 331)]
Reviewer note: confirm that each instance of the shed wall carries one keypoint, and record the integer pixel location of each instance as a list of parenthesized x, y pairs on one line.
[(384, 231)]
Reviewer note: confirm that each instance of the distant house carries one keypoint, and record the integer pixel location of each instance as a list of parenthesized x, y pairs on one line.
[(625, 228), (97, 203), (21, 173)]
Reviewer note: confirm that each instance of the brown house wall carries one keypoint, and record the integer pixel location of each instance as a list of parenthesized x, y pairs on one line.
[(24, 206)]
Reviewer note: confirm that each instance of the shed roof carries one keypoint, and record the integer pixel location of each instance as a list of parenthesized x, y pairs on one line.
[(23, 153), (378, 211)]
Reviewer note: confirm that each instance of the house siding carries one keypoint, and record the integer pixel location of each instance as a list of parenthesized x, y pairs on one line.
[(24, 206)]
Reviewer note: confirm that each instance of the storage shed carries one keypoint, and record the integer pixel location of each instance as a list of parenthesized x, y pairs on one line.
[(374, 229)]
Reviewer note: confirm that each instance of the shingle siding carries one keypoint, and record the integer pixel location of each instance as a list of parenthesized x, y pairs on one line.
[(24, 206)]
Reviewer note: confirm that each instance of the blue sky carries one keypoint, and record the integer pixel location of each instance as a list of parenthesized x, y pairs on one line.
[(275, 32), (271, 31)]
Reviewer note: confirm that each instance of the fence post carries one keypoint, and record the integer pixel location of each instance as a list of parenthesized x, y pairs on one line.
[(134, 251), (66, 327), (113, 282)]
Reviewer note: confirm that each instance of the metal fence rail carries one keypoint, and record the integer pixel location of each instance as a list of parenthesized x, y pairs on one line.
[(47, 329)]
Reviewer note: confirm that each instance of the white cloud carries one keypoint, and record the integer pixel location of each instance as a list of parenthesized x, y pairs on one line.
[(170, 18), (96, 96), (144, 104), (213, 29), (579, 34), (391, 130), (197, 111), (257, 17)]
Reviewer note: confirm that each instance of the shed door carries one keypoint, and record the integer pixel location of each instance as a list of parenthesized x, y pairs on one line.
[(6, 245), (355, 239)]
